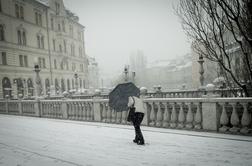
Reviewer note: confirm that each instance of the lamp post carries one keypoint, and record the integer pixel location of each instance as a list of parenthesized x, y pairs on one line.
[(76, 80), (126, 71), (201, 71), (38, 88)]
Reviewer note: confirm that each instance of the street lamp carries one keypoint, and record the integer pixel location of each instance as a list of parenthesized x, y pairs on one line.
[(201, 71), (76, 81), (126, 68), (37, 78)]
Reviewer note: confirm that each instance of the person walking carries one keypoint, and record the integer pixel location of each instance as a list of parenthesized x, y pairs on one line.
[(137, 104)]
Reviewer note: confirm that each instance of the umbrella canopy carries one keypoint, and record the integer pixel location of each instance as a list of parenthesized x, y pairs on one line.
[(118, 97)]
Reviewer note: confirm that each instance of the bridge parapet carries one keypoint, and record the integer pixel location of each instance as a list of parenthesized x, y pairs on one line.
[(228, 115)]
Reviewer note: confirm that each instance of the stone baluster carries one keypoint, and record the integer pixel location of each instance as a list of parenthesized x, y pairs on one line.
[(166, 115), (91, 111), (159, 115), (152, 115), (246, 119), (234, 119), (124, 117), (173, 116), (198, 117), (76, 110), (189, 117), (118, 116), (108, 116), (113, 116), (181, 117), (70, 110), (224, 120), (88, 112), (104, 114), (82, 111)]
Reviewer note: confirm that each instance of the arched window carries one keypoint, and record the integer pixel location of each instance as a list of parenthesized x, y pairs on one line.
[(20, 86), (57, 88), (6, 87), (21, 35), (68, 85), (30, 87), (2, 32), (73, 84), (80, 83), (47, 85), (63, 88)]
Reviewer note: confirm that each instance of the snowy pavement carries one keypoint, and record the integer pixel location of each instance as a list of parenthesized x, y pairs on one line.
[(27, 141)]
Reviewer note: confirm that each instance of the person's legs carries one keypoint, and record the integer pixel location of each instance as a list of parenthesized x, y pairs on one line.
[(137, 121)]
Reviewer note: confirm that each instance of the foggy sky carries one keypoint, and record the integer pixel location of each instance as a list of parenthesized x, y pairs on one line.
[(115, 28)]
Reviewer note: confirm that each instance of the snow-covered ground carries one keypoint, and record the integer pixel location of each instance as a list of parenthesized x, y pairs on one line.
[(27, 141)]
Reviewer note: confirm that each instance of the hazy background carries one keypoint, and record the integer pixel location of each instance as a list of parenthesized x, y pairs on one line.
[(115, 28)]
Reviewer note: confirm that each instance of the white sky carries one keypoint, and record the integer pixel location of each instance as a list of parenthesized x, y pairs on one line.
[(115, 28)]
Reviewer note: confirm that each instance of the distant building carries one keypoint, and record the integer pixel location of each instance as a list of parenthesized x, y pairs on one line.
[(93, 73), (137, 67), (170, 74), (46, 32)]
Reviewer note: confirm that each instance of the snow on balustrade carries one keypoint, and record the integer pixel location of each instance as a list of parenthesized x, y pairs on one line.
[(80, 109), (178, 113), (230, 115), (28, 107)]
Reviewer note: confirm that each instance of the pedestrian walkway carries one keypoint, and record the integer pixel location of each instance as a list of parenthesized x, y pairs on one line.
[(28, 141)]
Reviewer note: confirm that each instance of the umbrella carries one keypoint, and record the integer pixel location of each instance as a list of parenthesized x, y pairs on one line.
[(118, 97)]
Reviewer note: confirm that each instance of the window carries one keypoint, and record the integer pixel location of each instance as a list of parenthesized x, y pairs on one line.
[(24, 38), (4, 60), (57, 6), (52, 24), (63, 26), (42, 62), (81, 68), (62, 65), (21, 62), (55, 64), (38, 18), (67, 66), (80, 51), (65, 47), (54, 45), (71, 30), (59, 28), (19, 11), (40, 41), (72, 50), (73, 66), (1, 32), (60, 48), (25, 61), (21, 37)]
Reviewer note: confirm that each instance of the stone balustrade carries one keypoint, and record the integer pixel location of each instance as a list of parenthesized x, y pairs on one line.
[(228, 115)]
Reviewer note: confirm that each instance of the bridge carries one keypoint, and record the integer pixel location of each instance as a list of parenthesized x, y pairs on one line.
[(29, 141)]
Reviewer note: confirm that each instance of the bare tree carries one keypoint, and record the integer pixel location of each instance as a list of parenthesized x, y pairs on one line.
[(219, 29)]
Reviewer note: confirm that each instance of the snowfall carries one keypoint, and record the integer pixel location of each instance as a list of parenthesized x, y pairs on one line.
[(28, 141)]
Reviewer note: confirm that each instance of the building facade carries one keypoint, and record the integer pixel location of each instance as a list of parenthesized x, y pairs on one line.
[(44, 33), (93, 73)]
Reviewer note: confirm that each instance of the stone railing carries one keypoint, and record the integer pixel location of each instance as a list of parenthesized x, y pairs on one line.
[(196, 93), (229, 115), (215, 114)]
